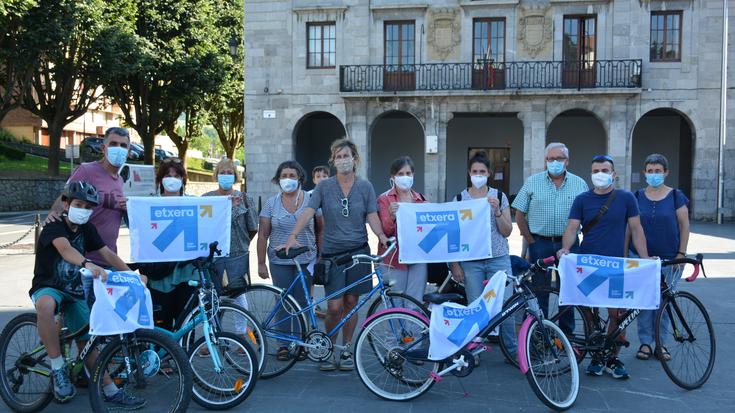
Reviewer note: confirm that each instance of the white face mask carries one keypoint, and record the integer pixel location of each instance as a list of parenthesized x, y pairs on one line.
[(344, 165), (478, 181), (403, 182), (601, 180), (79, 216), (288, 185), (171, 184)]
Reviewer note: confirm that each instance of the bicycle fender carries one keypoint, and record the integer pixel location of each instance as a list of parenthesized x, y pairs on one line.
[(522, 359), (395, 310)]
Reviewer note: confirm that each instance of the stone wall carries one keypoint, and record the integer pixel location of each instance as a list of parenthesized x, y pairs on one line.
[(29, 194)]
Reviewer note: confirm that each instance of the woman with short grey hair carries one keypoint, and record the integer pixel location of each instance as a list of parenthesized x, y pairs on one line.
[(665, 221)]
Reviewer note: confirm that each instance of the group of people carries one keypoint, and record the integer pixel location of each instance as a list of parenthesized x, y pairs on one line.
[(81, 232)]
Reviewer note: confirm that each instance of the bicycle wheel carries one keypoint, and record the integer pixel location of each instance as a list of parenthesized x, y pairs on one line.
[(236, 379), (24, 390), (569, 318), (396, 299), (684, 328), (552, 372), (234, 319), (262, 300), (158, 372), (391, 356)]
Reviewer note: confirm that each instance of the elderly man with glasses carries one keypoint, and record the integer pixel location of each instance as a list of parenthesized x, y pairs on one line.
[(542, 208)]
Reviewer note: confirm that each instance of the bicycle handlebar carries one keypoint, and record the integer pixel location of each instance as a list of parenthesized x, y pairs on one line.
[(696, 262), (366, 257)]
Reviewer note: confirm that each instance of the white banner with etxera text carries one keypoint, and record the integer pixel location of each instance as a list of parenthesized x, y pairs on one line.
[(177, 228), (447, 232)]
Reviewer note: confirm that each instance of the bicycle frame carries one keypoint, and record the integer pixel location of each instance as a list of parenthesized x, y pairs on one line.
[(301, 279)]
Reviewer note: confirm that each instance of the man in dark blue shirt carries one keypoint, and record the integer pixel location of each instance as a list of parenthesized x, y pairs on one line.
[(606, 236)]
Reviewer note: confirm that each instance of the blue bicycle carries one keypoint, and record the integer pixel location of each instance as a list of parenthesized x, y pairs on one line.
[(285, 322)]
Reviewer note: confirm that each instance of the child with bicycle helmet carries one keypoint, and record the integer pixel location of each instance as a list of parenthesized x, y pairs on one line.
[(57, 285)]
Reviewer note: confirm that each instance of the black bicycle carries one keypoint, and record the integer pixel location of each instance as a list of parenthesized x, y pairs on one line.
[(683, 329)]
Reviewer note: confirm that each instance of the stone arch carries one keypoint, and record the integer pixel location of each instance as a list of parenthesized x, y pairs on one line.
[(585, 135), (392, 134), (313, 134)]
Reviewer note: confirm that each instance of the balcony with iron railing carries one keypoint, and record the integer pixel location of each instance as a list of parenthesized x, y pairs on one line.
[(492, 76)]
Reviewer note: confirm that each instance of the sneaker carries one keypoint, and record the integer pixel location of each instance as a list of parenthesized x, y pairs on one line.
[(124, 401), (346, 362), (616, 368), (63, 389), (329, 364), (595, 368)]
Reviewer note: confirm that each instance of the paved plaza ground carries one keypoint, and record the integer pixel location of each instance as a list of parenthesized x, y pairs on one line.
[(494, 386)]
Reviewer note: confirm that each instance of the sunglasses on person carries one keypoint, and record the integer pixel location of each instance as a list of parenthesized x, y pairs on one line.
[(602, 158), (171, 160), (345, 207)]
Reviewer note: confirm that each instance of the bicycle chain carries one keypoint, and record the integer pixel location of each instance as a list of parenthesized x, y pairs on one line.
[(10, 244)]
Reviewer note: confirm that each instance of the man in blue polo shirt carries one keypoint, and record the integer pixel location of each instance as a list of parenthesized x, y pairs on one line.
[(603, 224)]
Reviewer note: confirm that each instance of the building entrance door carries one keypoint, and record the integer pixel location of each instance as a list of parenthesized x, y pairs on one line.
[(499, 167)]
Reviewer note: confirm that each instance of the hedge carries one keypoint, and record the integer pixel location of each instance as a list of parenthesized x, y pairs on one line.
[(12, 153)]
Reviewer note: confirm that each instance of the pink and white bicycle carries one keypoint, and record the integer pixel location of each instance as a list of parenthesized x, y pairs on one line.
[(391, 353)]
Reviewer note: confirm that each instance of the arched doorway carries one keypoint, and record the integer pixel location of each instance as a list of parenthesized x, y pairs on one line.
[(668, 132), (394, 134), (499, 135), (313, 135), (583, 134)]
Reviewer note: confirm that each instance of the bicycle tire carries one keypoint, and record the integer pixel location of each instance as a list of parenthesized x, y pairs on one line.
[(244, 364), (682, 323), (534, 343), (578, 337), (390, 362), (253, 333), (6, 361), (394, 295), (262, 299), (144, 349)]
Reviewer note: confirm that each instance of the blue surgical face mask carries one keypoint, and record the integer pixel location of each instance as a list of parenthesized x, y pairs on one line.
[(555, 168), (655, 180), (226, 181), (116, 155)]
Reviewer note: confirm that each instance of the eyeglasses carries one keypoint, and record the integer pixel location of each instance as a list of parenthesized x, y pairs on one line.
[(345, 207), (602, 158), (169, 160), (558, 158)]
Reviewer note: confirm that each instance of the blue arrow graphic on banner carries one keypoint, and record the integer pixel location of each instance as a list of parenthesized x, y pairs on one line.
[(135, 294), (478, 316), (445, 224), (183, 219), (610, 270)]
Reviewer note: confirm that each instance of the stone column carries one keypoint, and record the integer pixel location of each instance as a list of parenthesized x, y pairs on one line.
[(357, 132), (534, 139), (617, 144)]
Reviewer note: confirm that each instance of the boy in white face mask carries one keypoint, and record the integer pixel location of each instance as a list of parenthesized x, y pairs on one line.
[(57, 285), (604, 213)]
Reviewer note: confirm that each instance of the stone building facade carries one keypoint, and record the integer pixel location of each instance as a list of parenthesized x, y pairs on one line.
[(438, 80)]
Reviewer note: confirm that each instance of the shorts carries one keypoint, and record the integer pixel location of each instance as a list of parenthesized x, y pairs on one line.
[(237, 267), (76, 310), (338, 278)]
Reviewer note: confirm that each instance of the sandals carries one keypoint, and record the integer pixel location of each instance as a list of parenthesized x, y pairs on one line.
[(283, 354), (662, 353), (644, 352)]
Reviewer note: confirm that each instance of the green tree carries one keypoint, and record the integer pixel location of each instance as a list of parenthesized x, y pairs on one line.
[(225, 106), (11, 74), (183, 133), (161, 63)]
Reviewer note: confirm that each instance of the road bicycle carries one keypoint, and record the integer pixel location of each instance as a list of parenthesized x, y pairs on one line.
[(683, 327), (225, 366), (285, 322), (133, 362), (391, 354)]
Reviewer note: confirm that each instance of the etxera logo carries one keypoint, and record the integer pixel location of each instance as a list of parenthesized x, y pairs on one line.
[(183, 219)]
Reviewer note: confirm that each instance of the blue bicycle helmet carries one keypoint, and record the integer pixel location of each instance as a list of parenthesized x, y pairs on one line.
[(81, 190)]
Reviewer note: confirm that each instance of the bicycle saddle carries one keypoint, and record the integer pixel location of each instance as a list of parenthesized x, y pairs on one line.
[(292, 253), (438, 298)]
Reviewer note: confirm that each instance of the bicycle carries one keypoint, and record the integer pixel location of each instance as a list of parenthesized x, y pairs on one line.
[(681, 316), (392, 361), (224, 364), (269, 304), (25, 371)]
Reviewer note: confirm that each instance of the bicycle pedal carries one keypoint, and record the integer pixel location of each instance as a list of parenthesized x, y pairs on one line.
[(475, 345), (437, 378)]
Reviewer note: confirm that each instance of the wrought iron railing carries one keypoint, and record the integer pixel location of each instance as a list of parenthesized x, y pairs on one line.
[(488, 75)]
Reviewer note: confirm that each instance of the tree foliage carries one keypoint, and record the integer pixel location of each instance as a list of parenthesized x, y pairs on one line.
[(11, 18), (163, 61)]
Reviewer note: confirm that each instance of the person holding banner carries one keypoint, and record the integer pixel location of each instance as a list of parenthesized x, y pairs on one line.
[(409, 278), (604, 213), (542, 208), (243, 227), (347, 202), (665, 221), (474, 273)]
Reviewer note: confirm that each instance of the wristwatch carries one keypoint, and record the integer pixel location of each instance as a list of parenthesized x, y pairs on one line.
[(84, 263)]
